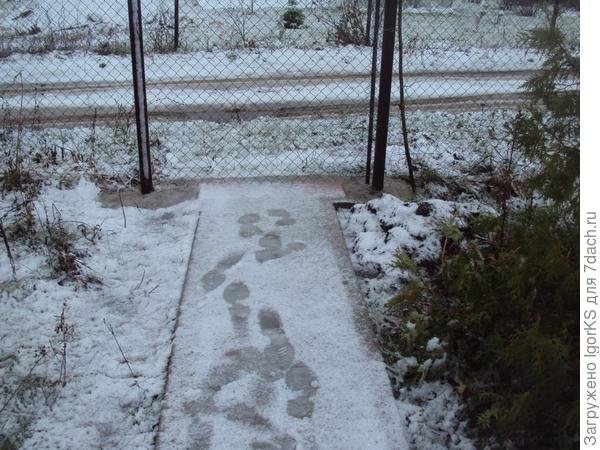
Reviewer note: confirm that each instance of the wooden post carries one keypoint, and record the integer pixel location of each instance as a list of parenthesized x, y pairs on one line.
[(390, 10), (139, 92)]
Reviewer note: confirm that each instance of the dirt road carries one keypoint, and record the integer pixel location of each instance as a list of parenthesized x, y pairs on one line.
[(73, 103)]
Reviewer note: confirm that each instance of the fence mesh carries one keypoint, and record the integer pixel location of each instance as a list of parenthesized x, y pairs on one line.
[(242, 88)]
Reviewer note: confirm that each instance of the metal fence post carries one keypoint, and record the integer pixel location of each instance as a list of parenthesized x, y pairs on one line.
[(372, 95), (411, 176), (139, 92), (369, 16), (390, 10), (176, 26)]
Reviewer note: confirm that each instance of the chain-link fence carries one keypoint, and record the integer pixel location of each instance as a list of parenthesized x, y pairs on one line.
[(475, 50), (243, 88)]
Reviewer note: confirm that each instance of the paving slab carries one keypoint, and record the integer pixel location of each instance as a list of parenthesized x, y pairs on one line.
[(273, 347)]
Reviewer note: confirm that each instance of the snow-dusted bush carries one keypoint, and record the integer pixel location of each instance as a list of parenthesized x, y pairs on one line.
[(349, 28)]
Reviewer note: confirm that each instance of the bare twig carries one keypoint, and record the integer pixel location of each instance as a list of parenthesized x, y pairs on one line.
[(65, 331), (154, 288), (122, 208), (238, 22), (8, 252), (141, 281), (112, 332)]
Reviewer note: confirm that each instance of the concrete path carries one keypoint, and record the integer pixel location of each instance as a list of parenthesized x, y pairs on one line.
[(273, 349)]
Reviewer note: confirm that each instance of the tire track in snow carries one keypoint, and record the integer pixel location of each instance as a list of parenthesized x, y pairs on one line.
[(85, 116), (74, 104), (17, 89)]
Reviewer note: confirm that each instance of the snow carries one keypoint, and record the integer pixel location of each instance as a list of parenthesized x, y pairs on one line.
[(154, 242), (211, 44), (213, 24), (376, 230), (300, 305), (73, 12), (374, 233), (431, 409), (141, 268), (162, 99), (449, 143), (85, 67), (433, 344)]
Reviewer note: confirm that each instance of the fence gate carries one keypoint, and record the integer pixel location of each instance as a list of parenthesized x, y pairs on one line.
[(259, 88)]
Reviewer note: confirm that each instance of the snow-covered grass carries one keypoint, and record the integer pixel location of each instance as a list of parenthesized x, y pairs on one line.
[(458, 157), (112, 382), (456, 145), (32, 24), (375, 232)]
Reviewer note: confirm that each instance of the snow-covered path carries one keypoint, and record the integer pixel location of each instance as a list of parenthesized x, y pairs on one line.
[(273, 348)]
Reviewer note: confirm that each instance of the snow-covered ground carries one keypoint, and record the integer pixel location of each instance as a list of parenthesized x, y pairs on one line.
[(452, 144), (138, 258), (273, 348), (88, 68), (76, 24), (120, 327), (160, 98), (107, 339), (141, 265), (375, 232)]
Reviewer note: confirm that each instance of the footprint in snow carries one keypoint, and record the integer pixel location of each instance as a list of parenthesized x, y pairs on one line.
[(216, 276)]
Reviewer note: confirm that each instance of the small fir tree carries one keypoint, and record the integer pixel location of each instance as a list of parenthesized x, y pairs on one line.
[(506, 305), (293, 17)]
